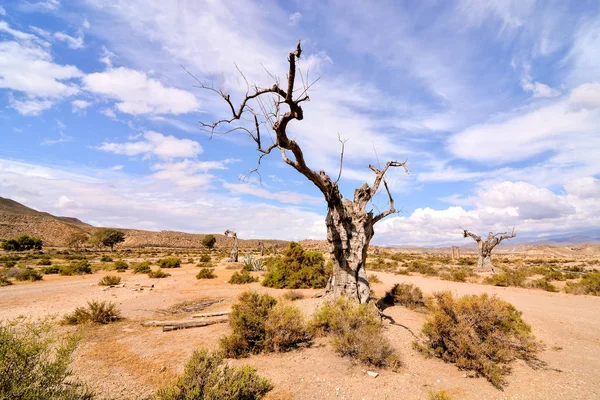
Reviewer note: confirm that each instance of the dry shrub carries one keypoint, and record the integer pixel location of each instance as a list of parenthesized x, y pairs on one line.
[(206, 273), (479, 333), (458, 274), (28, 274), (80, 267), (169, 262), (109, 280), (143, 267), (53, 269), (374, 279), (204, 258), (260, 324), (543, 284), (406, 295), (508, 277), (206, 376), (589, 284), (4, 281), (99, 312), (120, 265), (422, 267), (356, 330), (159, 273), (293, 295), (106, 259), (241, 278), (440, 395)]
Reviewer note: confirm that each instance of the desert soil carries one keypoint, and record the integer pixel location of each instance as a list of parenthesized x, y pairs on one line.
[(127, 361)]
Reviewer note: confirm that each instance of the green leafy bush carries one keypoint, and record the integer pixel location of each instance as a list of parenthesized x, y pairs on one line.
[(406, 295), (22, 243), (206, 273), (106, 259), (356, 330), (589, 284), (209, 241), (204, 258), (108, 237), (260, 324), (28, 274), (206, 376), (53, 269), (441, 395), (169, 262), (109, 280), (241, 278), (298, 269), (80, 267), (99, 312), (159, 273), (479, 333), (34, 363), (143, 267), (509, 277), (120, 265)]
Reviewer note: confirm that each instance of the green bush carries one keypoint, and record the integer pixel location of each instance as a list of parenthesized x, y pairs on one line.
[(509, 277), (34, 363), (204, 265), (28, 274), (99, 312), (106, 259), (260, 324), (80, 267), (22, 243), (406, 295), (441, 395), (109, 280), (159, 273), (54, 269), (422, 267), (298, 269), (9, 263), (251, 263), (589, 284), (206, 273), (479, 333), (209, 241), (142, 267), (45, 261), (204, 258), (241, 278), (458, 274), (169, 262), (356, 330), (120, 265), (206, 376), (467, 261)]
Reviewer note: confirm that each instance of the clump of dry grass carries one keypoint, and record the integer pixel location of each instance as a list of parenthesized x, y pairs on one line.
[(99, 312), (374, 279), (356, 331), (508, 277), (293, 295), (589, 284), (406, 295), (479, 333), (109, 280), (241, 278), (159, 273), (206, 273)]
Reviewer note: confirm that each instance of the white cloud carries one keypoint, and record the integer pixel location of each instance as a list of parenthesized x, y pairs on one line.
[(61, 139), (47, 5), (155, 144), (586, 96), (282, 197), (79, 106), (72, 42), (295, 18), (136, 93), (539, 89), (2, 11), (117, 168), (30, 108)]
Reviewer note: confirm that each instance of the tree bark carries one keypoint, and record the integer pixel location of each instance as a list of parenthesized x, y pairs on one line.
[(234, 250), (484, 263)]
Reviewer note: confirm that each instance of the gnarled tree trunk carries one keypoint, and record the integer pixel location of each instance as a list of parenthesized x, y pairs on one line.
[(234, 250), (484, 261)]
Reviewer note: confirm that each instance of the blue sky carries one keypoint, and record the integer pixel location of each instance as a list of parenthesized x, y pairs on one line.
[(495, 104)]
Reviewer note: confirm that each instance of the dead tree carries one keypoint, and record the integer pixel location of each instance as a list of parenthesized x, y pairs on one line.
[(484, 262), (455, 252), (234, 251), (348, 222), (261, 247)]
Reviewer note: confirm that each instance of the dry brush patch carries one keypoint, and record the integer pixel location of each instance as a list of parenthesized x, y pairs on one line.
[(99, 312)]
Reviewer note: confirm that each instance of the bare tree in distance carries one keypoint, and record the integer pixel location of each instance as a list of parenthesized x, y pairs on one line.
[(234, 251), (348, 222), (484, 262), (261, 247)]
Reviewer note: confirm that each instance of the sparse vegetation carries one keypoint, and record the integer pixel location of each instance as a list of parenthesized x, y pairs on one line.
[(543, 284), (99, 312), (422, 267), (4, 281), (159, 273), (440, 395), (356, 331), (589, 284), (241, 278), (109, 280), (374, 279), (479, 333), (207, 376), (297, 269), (251, 263), (508, 277), (27, 274), (457, 274), (406, 295), (260, 324), (80, 267), (34, 363), (169, 262), (206, 273), (54, 269)]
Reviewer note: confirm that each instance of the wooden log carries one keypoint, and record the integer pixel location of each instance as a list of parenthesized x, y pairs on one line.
[(192, 324), (211, 314)]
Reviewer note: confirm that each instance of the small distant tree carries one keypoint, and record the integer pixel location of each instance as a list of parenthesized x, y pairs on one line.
[(78, 240), (484, 262), (22, 243), (109, 237), (209, 241), (234, 251)]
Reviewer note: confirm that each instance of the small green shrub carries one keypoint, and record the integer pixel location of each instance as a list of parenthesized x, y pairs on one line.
[(589, 284), (80, 267), (209, 241), (297, 269), (190, 261), (28, 274), (543, 284), (9, 263), (54, 269), (374, 279), (509, 277), (99, 312), (109, 280), (120, 265), (406, 295), (159, 273), (169, 262), (206, 273), (259, 324), (479, 333), (356, 330), (204, 258), (45, 261), (458, 274), (204, 265), (421, 267), (241, 278), (143, 267), (34, 362), (106, 259), (207, 376)]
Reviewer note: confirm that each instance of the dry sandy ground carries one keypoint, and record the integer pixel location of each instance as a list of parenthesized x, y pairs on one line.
[(127, 361)]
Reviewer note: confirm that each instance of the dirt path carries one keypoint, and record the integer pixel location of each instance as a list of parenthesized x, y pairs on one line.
[(127, 361)]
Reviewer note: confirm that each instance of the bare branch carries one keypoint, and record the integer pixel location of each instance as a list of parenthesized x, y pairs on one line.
[(466, 233), (391, 210), (343, 142)]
